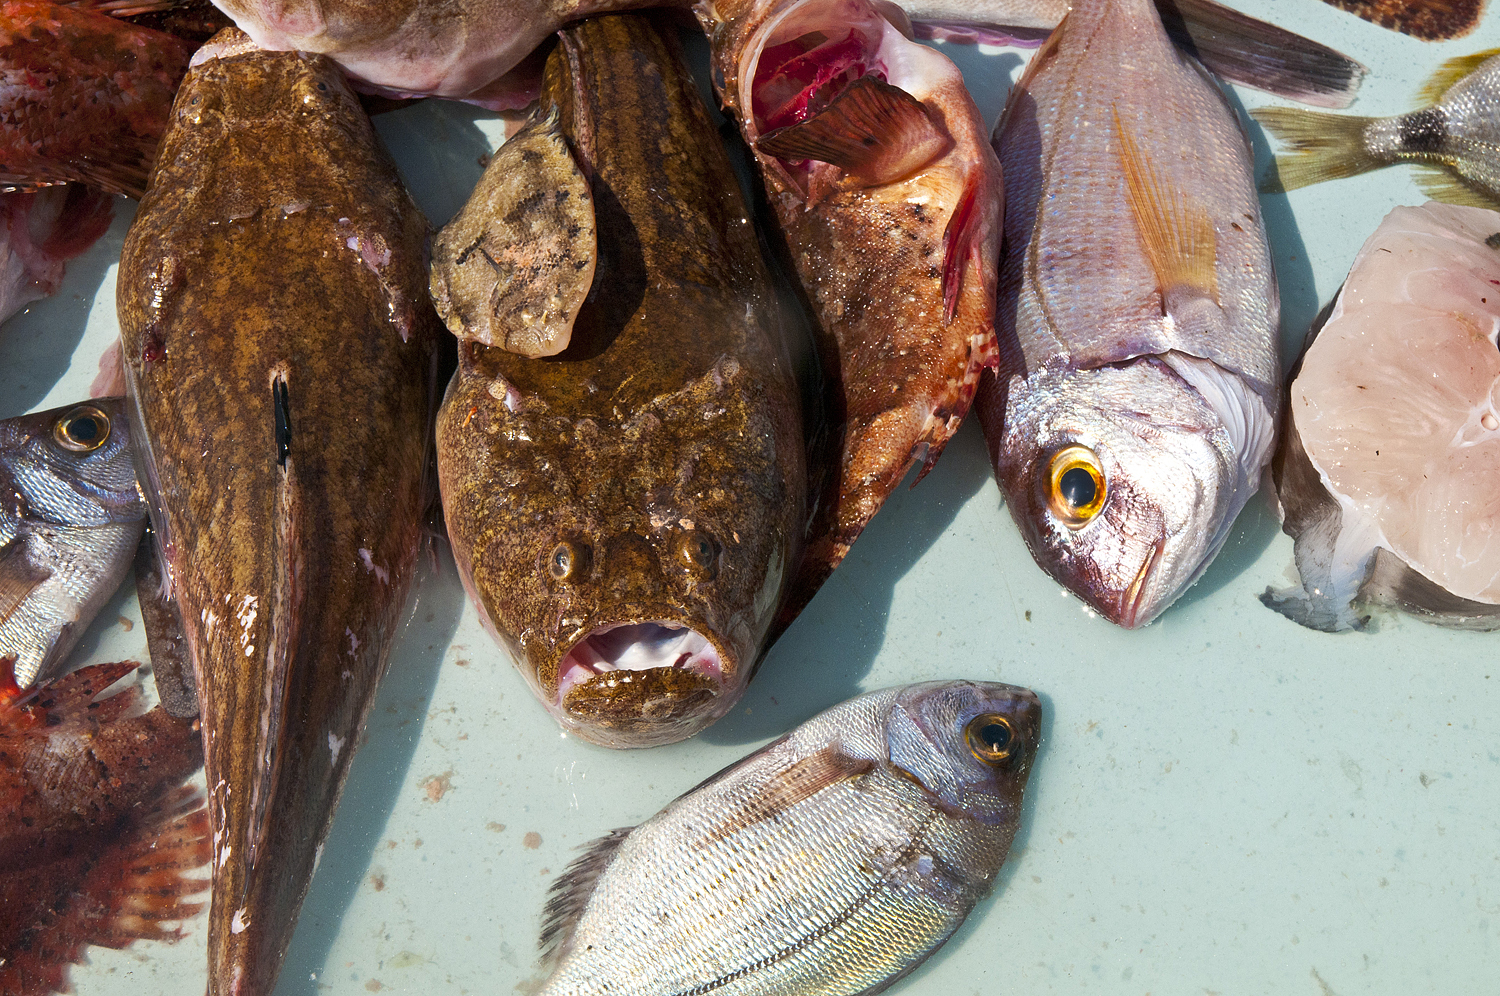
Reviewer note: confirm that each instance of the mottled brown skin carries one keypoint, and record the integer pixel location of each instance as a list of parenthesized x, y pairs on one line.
[(899, 372), (672, 413), (291, 555), (95, 830)]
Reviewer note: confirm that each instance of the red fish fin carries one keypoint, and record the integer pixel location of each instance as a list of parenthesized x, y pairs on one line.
[(10, 689), (1176, 233), (984, 354), (1450, 73), (873, 131), (85, 216), (128, 8), (1429, 20), (133, 886), (961, 243)]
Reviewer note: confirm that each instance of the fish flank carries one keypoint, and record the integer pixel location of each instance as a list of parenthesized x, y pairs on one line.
[(802, 780)]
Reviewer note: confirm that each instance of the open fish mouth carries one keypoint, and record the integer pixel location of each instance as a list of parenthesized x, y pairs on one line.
[(641, 684)]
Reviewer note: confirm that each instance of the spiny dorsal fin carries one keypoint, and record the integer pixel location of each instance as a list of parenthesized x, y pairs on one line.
[(1450, 73), (873, 131), (1440, 185), (1177, 235), (19, 576), (802, 779), (573, 889), (1323, 147), (515, 265)]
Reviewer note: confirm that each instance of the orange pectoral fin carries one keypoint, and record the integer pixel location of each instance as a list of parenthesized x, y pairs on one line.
[(1176, 233), (873, 131)]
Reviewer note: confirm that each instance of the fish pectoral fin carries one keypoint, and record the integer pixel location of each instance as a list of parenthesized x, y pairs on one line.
[(20, 575), (873, 131), (802, 779), (1450, 73), (515, 265), (1175, 231), (570, 893)]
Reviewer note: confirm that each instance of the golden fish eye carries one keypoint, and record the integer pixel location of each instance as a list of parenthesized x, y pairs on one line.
[(1075, 486), (568, 561), (697, 552), (82, 430), (991, 738)]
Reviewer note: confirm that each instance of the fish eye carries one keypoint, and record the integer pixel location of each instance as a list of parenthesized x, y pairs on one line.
[(697, 552), (1075, 486), (82, 430), (990, 738), (568, 561)]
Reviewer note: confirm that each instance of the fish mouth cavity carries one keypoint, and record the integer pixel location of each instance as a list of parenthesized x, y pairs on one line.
[(638, 646)]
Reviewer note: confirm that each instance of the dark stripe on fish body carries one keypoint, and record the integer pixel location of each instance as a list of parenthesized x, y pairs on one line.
[(1424, 131)]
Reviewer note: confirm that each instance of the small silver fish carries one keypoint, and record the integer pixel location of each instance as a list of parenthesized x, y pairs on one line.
[(70, 520), (1455, 138), (832, 861)]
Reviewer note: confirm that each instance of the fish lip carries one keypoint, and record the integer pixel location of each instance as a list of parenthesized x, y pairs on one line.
[(619, 694), (1128, 608)]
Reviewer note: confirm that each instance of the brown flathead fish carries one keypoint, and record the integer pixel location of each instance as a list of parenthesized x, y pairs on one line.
[(279, 354), (624, 512)]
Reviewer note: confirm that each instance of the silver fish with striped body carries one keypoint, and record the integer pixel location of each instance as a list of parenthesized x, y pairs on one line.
[(832, 861)]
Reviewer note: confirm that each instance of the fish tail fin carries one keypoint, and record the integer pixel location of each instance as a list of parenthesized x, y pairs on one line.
[(1440, 185), (1177, 233), (1323, 147), (135, 885), (1450, 73)]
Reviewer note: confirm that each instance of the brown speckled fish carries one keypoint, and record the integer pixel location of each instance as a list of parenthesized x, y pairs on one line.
[(95, 828), (876, 164), (625, 513), (278, 346)]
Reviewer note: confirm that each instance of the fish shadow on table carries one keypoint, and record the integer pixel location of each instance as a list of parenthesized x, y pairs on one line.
[(828, 650), (37, 345), (378, 773)]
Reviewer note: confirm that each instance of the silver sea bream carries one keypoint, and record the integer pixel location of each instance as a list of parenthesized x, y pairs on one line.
[(1138, 389), (70, 521), (832, 861)]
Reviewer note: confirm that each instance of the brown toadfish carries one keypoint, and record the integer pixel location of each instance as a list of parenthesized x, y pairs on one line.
[(876, 163), (624, 512), (279, 356)]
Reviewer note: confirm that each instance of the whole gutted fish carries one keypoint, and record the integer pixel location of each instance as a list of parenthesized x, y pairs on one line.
[(1389, 475), (889, 198), (1137, 395), (86, 96), (96, 829), (625, 513), (1456, 139), (279, 353), (465, 48), (39, 233), (832, 861), (70, 521)]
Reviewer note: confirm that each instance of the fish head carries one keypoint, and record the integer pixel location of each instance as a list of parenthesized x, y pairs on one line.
[(1124, 482), (969, 744), (71, 465), (632, 568)]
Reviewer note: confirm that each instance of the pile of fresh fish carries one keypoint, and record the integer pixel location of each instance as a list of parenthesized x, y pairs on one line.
[(1455, 138), (282, 414), (1402, 507), (1138, 389), (70, 521), (832, 861)]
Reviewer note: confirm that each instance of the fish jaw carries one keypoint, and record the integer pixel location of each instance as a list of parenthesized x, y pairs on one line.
[(1169, 470), (912, 334)]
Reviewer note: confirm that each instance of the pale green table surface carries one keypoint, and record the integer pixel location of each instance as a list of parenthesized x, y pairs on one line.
[(1224, 802)]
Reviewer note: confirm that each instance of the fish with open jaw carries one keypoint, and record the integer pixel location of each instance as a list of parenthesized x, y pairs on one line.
[(875, 162), (831, 862), (1137, 396), (467, 49), (70, 521), (96, 828), (626, 511), (279, 350)]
